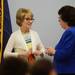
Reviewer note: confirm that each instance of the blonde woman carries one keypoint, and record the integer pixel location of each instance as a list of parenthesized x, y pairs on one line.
[(24, 41)]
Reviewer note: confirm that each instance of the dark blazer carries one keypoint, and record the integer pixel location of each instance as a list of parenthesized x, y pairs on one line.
[(64, 58)]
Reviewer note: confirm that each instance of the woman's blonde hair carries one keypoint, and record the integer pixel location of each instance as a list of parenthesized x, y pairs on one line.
[(20, 15)]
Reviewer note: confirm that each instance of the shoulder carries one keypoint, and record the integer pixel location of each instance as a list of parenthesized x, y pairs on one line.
[(69, 34), (33, 32), (70, 31), (14, 34)]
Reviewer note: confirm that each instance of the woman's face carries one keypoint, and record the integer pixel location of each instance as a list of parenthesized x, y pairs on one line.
[(63, 24), (27, 23)]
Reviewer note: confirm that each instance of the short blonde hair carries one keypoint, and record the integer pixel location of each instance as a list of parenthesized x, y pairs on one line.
[(20, 15)]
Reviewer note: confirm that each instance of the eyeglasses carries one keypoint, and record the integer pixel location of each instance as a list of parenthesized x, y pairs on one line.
[(29, 19)]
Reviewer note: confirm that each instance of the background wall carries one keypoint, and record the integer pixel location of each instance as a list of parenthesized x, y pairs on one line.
[(46, 17)]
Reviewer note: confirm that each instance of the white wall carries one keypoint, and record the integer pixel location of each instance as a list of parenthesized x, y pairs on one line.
[(46, 17)]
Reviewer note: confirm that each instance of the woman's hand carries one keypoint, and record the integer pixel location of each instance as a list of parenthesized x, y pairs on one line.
[(50, 51), (36, 52), (22, 55)]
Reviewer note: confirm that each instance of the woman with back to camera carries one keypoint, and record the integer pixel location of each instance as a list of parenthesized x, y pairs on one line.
[(64, 52)]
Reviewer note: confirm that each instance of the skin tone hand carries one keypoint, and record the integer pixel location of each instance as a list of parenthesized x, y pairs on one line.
[(50, 51), (37, 52), (24, 54)]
